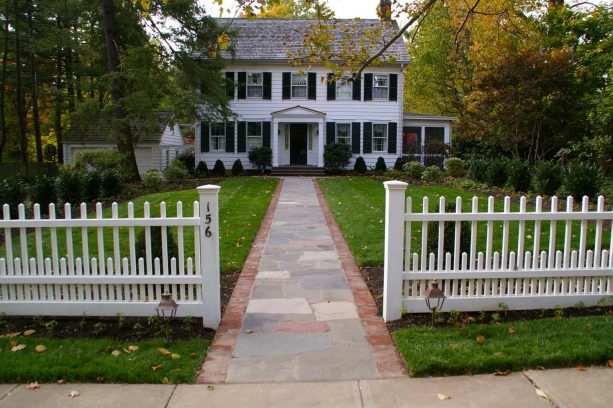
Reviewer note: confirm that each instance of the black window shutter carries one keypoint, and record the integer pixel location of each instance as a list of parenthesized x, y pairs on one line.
[(393, 87), (230, 137), (331, 87), (242, 85), (287, 85), (368, 87), (230, 85), (392, 130), (367, 137), (266, 134), (267, 92), (312, 88), (355, 137), (330, 132), (242, 137), (204, 137), (357, 89)]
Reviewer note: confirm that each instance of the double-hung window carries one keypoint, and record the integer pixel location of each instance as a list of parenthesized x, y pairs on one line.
[(343, 133), (344, 89), (254, 135), (218, 136), (380, 88), (379, 137), (299, 85), (255, 83)]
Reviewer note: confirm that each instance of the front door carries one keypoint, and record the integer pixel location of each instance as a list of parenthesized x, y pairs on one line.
[(298, 143)]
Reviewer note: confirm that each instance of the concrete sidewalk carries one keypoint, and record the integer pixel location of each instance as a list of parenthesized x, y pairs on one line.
[(592, 388)]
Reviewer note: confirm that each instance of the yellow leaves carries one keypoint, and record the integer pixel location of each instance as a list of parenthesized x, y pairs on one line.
[(511, 330), (480, 339), (443, 397), (502, 373), (74, 394), (61, 381), (17, 347), (165, 380), (164, 351), (40, 348), (32, 386), (29, 332), (10, 335), (132, 348), (175, 356), (157, 367), (223, 41), (210, 387), (116, 353), (541, 394)]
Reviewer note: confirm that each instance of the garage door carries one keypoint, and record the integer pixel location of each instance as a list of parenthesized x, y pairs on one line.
[(143, 159)]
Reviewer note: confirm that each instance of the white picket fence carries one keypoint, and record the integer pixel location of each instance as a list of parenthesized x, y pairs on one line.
[(526, 273), (92, 279)]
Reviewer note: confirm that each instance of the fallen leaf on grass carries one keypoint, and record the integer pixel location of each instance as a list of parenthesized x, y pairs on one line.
[(498, 353), (132, 349), (480, 339), (511, 330), (165, 380), (40, 348), (541, 394), (156, 367), (210, 387), (164, 351), (61, 382), (10, 335), (32, 386), (589, 326), (116, 353), (502, 373), (18, 347), (100, 379), (193, 354), (175, 356), (29, 332), (580, 367), (74, 394), (443, 396)]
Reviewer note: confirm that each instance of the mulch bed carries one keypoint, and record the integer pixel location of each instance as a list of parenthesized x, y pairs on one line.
[(120, 328), (373, 276)]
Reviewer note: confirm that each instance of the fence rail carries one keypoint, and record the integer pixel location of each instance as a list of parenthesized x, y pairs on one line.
[(524, 270), (91, 265)]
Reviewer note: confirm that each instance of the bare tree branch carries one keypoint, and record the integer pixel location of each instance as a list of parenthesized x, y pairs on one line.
[(459, 30)]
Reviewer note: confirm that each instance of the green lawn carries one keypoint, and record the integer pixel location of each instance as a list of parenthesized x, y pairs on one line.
[(358, 204), (242, 200), (86, 360), (548, 343)]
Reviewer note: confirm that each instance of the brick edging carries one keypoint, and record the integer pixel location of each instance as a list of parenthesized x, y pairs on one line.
[(220, 351), (381, 344)]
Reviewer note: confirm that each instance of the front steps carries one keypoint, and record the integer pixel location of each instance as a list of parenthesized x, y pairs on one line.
[(305, 171)]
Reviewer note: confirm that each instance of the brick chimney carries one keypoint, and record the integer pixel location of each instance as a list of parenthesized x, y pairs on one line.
[(385, 10)]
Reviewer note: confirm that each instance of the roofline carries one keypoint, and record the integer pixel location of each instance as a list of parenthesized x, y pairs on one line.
[(298, 107), (429, 117), (400, 63)]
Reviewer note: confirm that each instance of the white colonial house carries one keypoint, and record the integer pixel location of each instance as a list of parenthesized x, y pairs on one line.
[(296, 111)]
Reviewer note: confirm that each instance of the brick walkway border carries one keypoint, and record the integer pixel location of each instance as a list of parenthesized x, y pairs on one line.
[(218, 357), (381, 344)]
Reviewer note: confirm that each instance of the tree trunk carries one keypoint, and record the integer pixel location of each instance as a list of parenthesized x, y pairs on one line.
[(121, 127), (35, 114), (18, 91), (3, 84), (59, 100)]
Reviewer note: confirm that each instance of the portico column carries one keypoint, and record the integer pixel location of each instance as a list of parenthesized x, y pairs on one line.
[(320, 142), (275, 143)]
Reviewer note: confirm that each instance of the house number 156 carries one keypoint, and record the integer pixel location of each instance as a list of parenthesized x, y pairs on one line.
[(207, 231)]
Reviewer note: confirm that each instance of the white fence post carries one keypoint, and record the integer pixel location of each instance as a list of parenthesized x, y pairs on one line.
[(394, 242), (209, 254)]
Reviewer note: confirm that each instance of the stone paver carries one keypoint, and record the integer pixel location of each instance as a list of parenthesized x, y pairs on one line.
[(572, 388), (301, 286)]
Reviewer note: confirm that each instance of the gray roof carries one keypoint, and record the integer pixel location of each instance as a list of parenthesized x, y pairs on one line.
[(417, 116), (270, 39)]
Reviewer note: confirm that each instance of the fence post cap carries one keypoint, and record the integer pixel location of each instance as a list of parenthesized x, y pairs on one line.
[(208, 189), (395, 185)]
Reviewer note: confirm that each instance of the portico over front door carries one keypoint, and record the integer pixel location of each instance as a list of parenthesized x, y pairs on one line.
[(298, 143)]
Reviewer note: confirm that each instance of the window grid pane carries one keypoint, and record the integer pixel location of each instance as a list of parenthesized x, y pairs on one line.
[(379, 138), (254, 135), (343, 135), (218, 136), (380, 87), (255, 85), (299, 86), (343, 89)]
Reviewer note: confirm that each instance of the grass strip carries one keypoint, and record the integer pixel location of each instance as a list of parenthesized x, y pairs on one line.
[(91, 360), (514, 346)]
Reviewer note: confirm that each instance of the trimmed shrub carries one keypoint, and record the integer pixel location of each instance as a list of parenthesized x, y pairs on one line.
[(547, 177), (259, 157), (188, 159), (455, 166), (91, 185), (42, 191), (237, 167), (477, 169), (156, 244), (400, 161), (413, 170), (581, 180), (432, 174), (100, 160), (13, 193), (176, 171), (449, 230), (111, 183), (202, 170), (360, 165), (336, 157), (520, 175), (380, 166), (219, 169), (496, 172), (153, 179), (70, 186)]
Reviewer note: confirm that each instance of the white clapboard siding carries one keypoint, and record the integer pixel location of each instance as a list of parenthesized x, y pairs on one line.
[(85, 277), (520, 271)]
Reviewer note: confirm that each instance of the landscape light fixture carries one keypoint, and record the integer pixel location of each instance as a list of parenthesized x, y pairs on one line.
[(167, 310), (435, 298)]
